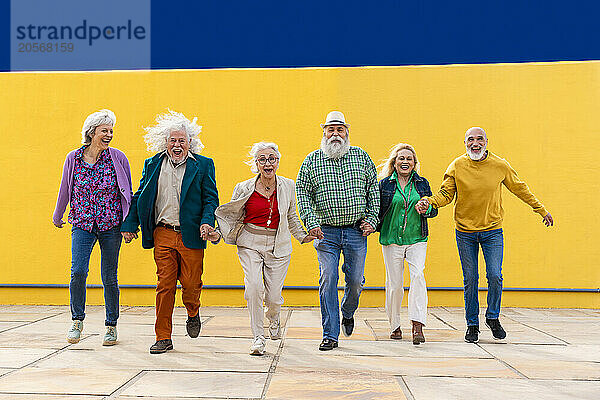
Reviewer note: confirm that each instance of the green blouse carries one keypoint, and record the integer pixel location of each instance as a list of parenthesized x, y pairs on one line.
[(393, 229)]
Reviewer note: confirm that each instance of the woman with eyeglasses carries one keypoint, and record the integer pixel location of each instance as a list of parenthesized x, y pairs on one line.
[(260, 220)]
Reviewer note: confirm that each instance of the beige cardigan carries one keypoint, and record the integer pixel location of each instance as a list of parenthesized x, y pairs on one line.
[(230, 216)]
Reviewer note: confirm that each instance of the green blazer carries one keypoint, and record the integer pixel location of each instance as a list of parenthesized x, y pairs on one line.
[(199, 199)]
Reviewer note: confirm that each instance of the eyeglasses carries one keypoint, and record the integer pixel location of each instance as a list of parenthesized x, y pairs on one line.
[(263, 160)]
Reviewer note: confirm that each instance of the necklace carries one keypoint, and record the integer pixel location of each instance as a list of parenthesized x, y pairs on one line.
[(270, 201)]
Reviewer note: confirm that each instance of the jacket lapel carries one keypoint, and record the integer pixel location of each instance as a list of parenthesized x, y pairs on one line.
[(191, 169)]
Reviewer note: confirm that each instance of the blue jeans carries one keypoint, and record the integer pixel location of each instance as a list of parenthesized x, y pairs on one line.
[(492, 245), (82, 243), (353, 245)]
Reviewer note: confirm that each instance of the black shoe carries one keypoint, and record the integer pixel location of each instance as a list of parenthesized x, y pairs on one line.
[(496, 328), (472, 335), (161, 346), (328, 344), (193, 325), (347, 326)]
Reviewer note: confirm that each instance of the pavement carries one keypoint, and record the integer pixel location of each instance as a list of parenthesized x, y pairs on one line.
[(548, 354)]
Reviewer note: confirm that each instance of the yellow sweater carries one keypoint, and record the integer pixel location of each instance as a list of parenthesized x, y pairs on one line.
[(478, 189)]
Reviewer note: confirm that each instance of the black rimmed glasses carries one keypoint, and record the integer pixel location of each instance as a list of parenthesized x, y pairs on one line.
[(263, 160)]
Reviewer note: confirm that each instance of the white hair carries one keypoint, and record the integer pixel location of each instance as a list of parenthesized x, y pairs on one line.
[(335, 150), (171, 121), (257, 148), (94, 120)]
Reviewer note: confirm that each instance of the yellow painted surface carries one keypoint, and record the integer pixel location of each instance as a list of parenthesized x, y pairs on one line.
[(542, 117)]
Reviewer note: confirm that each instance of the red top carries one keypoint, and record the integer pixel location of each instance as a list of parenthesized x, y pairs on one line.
[(259, 209)]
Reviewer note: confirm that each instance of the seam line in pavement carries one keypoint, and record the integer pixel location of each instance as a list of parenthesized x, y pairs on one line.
[(405, 389), (504, 363), (275, 360), (536, 329)]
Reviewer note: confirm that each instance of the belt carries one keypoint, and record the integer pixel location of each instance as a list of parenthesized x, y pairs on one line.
[(172, 227), (259, 230)]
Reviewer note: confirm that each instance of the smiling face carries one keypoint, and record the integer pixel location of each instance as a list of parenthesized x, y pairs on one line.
[(178, 146), (405, 163), (267, 163), (335, 133), (102, 136), (476, 143)]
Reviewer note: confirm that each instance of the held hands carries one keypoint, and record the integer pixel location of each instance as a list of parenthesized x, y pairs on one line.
[(422, 205), (207, 232), (308, 238), (129, 236), (317, 233), (548, 220), (366, 228), (60, 224)]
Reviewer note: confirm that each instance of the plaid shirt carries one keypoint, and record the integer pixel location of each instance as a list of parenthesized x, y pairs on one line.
[(337, 192)]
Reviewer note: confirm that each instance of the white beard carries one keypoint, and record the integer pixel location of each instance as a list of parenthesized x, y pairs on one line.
[(476, 156), (333, 149)]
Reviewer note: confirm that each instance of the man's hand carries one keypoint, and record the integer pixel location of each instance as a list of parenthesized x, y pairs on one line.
[(422, 205), (548, 221), (60, 224), (316, 232), (213, 236), (206, 230), (129, 236), (366, 228)]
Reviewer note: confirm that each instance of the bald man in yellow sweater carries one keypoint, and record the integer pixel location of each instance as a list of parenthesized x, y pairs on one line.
[(476, 179)]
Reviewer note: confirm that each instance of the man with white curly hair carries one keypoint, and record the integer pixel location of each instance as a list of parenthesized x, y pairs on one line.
[(175, 207), (338, 200)]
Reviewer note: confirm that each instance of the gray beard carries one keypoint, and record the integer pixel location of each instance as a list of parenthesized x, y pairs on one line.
[(334, 150), (476, 157)]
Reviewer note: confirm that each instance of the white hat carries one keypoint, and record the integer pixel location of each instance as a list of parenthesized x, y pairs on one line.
[(335, 118)]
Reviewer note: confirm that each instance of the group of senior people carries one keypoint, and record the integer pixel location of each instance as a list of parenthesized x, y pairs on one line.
[(340, 203)]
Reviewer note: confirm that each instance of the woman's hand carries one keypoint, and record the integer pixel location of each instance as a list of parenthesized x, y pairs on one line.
[(129, 236), (59, 224), (308, 239)]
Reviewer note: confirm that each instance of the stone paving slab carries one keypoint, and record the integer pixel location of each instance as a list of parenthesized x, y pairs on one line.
[(18, 358), (537, 352), (199, 385), (426, 388), (65, 381), (289, 384)]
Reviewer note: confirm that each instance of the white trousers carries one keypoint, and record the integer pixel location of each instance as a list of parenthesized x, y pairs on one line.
[(263, 277), (394, 256)]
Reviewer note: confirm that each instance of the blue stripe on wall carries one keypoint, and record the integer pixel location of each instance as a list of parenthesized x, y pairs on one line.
[(268, 33)]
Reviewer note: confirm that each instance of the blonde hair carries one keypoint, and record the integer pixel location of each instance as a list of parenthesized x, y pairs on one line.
[(387, 167)]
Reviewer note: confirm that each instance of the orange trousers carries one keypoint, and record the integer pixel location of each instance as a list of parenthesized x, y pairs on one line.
[(175, 261)]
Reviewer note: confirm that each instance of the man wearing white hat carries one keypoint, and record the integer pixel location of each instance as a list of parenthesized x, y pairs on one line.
[(338, 200)]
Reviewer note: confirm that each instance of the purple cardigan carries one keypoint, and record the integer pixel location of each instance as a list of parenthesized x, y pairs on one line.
[(66, 185)]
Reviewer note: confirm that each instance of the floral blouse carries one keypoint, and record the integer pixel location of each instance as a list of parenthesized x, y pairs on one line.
[(95, 198)]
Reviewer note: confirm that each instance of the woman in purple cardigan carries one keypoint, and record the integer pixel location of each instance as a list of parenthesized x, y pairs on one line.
[(96, 181)]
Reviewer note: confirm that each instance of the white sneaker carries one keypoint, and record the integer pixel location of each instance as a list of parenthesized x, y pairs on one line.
[(74, 333), (275, 330), (110, 338), (258, 346)]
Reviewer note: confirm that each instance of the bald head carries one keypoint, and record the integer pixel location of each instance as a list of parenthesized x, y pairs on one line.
[(475, 131), (476, 143)]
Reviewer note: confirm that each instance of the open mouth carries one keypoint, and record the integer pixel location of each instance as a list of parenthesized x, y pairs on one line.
[(267, 170), (177, 152), (106, 140), (405, 167)]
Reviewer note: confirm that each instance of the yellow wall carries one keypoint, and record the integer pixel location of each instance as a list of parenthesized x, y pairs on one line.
[(542, 117)]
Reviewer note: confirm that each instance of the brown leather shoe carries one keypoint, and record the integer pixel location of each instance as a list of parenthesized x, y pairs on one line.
[(397, 334), (417, 333)]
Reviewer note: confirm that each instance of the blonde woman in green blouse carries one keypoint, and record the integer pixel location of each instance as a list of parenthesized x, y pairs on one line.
[(403, 236)]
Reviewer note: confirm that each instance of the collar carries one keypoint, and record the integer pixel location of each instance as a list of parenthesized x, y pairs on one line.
[(175, 165), (413, 176)]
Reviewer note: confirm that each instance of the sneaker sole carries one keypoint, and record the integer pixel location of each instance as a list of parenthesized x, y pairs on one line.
[(475, 341), (161, 351), (109, 343), (73, 341), (257, 352)]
